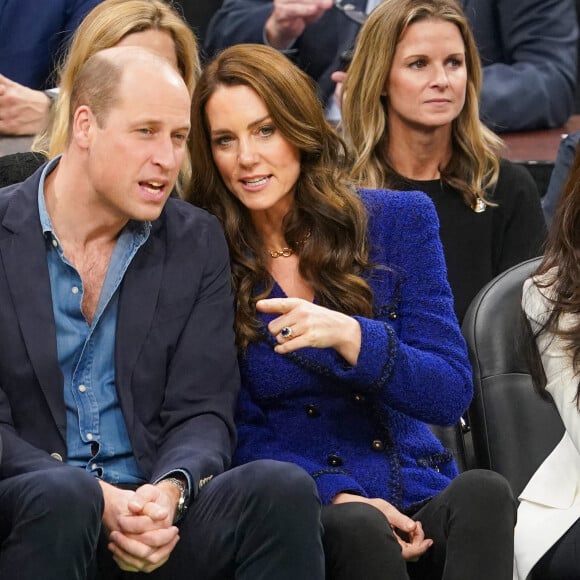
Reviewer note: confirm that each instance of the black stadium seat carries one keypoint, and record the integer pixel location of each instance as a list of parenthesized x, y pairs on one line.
[(513, 429)]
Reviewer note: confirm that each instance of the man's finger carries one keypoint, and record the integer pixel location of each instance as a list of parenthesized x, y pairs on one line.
[(153, 560)]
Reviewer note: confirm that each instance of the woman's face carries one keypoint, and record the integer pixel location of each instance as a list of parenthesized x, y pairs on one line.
[(256, 162), (427, 84), (159, 41)]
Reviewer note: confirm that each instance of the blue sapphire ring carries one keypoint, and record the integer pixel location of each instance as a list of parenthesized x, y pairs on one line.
[(286, 332)]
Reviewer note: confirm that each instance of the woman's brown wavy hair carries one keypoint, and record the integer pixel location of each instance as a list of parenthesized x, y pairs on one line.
[(326, 205)]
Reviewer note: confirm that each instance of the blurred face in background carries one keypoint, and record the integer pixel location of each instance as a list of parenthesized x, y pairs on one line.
[(159, 41)]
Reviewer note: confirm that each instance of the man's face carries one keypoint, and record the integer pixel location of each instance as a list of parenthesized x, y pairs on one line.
[(135, 155)]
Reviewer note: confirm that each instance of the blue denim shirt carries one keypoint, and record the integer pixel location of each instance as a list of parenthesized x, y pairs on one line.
[(96, 434)]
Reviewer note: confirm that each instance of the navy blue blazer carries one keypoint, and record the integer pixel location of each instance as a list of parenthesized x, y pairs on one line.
[(32, 32), (177, 377), (528, 52)]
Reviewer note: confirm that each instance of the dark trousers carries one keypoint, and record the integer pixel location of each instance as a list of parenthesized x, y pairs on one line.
[(471, 524), (562, 560), (49, 524), (258, 521)]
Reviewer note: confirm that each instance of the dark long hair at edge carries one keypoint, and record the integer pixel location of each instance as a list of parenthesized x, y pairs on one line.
[(561, 268), (326, 205)]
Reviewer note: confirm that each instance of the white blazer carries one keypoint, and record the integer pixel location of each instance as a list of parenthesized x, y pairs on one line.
[(550, 503)]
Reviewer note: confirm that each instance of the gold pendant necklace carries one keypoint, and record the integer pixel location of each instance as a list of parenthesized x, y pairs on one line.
[(478, 205), (287, 252), (283, 253)]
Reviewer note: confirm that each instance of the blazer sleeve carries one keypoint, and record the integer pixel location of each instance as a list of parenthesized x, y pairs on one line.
[(237, 21), (533, 85), (560, 173), (202, 379), (19, 456), (34, 34), (76, 10), (413, 355)]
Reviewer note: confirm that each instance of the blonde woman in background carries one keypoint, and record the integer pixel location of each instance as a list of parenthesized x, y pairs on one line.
[(152, 24), (411, 118)]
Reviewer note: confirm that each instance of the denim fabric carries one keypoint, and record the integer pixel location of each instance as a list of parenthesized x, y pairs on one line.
[(97, 437)]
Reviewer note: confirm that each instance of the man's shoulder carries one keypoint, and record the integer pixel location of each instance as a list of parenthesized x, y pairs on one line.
[(179, 215), (18, 191), (184, 225)]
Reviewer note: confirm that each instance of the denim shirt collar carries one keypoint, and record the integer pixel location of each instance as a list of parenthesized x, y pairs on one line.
[(139, 229)]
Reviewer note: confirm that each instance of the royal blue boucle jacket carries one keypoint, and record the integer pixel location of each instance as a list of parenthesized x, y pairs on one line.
[(363, 429)]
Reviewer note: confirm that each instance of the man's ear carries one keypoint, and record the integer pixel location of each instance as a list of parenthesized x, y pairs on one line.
[(83, 125)]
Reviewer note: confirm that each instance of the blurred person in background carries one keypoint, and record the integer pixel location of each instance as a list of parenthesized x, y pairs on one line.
[(32, 37)]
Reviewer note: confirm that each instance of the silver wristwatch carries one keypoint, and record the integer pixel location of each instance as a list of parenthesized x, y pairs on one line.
[(182, 502)]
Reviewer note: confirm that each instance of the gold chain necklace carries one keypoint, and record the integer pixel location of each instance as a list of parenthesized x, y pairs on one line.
[(287, 252)]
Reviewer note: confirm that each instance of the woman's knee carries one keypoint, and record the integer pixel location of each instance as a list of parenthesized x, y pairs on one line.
[(354, 522), (359, 542), (486, 492)]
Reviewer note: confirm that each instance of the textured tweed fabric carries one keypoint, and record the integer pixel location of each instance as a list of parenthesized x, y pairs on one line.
[(363, 429)]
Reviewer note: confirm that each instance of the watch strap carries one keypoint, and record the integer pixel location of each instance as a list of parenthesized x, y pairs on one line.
[(183, 497)]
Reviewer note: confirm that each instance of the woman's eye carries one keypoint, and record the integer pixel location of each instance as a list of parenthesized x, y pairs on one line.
[(267, 130), (420, 63), (222, 141)]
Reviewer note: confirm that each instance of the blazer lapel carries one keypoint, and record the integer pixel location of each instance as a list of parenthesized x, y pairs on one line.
[(23, 252), (137, 304)]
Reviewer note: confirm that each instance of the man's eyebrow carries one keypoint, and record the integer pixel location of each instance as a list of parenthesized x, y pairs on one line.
[(156, 123)]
